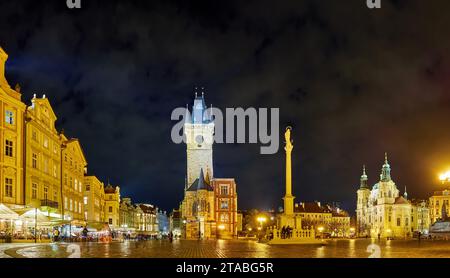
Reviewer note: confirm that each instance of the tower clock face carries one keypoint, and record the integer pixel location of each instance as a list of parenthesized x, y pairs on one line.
[(199, 139)]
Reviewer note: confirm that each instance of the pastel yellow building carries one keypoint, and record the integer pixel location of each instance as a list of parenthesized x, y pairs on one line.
[(43, 156), (112, 206), (439, 202), (11, 150), (94, 200), (74, 167)]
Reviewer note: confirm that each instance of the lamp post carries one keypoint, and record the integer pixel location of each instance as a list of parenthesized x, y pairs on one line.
[(261, 220)]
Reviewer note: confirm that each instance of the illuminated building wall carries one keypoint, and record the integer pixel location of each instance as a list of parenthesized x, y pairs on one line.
[(11, 144)]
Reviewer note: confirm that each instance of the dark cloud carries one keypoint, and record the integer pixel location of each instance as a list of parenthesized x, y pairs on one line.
[(353, 83)]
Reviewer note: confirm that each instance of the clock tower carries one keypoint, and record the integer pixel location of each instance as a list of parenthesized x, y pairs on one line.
[(199, 132)]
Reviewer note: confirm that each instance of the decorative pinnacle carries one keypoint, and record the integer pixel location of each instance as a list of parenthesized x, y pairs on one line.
[(385, 158), (364, 170)]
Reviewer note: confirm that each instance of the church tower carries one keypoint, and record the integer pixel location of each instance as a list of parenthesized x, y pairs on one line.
[(363, 195), (199, 132)]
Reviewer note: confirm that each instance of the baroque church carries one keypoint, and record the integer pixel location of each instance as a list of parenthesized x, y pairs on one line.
[(209, 207), (382, 212)]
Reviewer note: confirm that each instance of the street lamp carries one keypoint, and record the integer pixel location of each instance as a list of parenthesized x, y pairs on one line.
[(320, 229), (261, 220)]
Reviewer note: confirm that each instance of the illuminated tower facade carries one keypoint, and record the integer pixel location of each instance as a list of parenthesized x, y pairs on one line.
[(199, 132)]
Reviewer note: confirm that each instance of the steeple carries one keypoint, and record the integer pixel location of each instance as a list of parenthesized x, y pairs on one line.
[(385, 170), (363, 181), (405, 195)]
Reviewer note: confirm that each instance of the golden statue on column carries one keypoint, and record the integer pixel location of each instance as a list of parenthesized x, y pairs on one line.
[(289, 229), (288, 198)]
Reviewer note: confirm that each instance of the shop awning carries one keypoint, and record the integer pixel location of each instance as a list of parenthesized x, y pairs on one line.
[(7, 213)]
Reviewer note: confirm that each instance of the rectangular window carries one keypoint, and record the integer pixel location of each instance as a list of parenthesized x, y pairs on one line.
[(8, 187), (110, 209), (55, 172), (85, 200), (65, 203), (70, 205), (34, 189), (34, 161), (88, 187), (75, 185), (223, 190), (9, 117), (79, 207), (75, 206), (110, 221), (9, 148), (398, 222), (34, 135), (46, 142), (45, 193), (224, 204), (80, 185), (65, 178)]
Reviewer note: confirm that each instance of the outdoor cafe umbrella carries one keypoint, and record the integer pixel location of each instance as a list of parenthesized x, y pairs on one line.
[(7, 213)]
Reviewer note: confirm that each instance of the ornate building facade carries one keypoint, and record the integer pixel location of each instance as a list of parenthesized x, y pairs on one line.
[(112, 206), (382, 212), (209, 206), (43, 156), (94, 200), (12, 109)]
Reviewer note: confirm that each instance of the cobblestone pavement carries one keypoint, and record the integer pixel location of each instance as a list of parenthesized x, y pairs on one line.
[(231, 249)]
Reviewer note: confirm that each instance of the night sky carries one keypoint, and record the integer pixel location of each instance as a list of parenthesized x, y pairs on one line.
[(352, 82)]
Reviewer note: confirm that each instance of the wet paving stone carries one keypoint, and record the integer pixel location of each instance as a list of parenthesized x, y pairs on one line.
[(232, 249)]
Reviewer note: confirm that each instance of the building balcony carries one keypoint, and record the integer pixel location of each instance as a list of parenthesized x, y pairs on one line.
[(49, 204)]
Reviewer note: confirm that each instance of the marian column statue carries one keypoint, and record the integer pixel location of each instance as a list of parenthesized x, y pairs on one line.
[(288, 198)]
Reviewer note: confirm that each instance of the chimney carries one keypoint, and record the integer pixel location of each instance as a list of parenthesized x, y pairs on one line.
[(3, 58)]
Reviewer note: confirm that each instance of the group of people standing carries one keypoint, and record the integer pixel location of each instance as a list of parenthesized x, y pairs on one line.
[(286, 232)]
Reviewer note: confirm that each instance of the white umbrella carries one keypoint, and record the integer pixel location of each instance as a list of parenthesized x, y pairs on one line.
[(7, 213)]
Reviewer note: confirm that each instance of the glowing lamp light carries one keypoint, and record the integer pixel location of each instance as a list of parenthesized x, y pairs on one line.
[(445, 176), (249, 229), (259, 228), (352, 229), (261, 219), (320, 229), (221, 227)]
